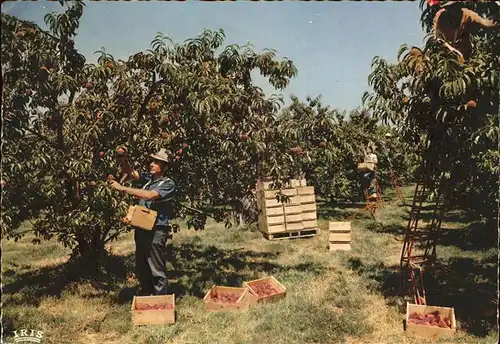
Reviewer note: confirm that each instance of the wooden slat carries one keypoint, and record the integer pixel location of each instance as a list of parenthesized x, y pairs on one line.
[(340, 247), (275, 228), (294, 226), (293, 200), (272, 193), (340, 237), (307, 199), (293, 209), (293, 234), (271, 203), (308, 207), (309, 216), (310, 224), (293, 218), (336, 226), (273, 211), (305, 190), (274, 220)]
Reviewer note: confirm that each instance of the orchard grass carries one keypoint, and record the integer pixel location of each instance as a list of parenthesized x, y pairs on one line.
[(332, 297)]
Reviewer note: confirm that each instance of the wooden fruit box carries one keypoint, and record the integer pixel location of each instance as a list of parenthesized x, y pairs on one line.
[(271, 194), (305, 190), (366, 167), (339, 236), (281, 290), (143, 314), (297, 182), (429, 331), (244, 299)]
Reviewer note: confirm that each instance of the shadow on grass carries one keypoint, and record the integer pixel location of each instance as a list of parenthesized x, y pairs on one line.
[(477, 236), (469, 285), (194, 267)]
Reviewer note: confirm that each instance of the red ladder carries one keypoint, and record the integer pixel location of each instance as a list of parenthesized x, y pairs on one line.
[(414, 258)]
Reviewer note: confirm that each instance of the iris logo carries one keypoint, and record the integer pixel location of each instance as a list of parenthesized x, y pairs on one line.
[(27, 336)]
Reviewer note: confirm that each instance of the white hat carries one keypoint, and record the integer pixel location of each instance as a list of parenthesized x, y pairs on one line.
[(161, 155)]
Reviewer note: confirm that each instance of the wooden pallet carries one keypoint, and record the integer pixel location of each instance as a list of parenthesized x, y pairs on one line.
[(305, 233)]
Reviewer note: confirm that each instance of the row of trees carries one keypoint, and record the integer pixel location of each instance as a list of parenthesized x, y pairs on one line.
[(63, 120)]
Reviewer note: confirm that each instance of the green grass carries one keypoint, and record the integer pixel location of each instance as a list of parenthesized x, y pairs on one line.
[(332, 297)]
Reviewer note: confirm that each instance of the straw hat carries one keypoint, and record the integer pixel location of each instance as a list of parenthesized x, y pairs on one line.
[(161, 155)]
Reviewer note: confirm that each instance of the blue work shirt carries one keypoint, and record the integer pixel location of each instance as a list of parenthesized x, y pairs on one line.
[(162, 205)]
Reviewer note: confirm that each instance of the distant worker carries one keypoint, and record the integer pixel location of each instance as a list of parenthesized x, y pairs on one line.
[(369, 175), (453, 25)]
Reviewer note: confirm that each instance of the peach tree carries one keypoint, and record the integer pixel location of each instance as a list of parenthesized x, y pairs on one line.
[(447, 109), (64, 119)]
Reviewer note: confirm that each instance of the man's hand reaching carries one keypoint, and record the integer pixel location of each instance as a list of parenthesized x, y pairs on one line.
[(115, 185)]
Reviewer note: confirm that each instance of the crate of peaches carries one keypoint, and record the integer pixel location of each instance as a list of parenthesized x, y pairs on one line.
[(430, 321), (153, 310), (220, 298), (266, 289)]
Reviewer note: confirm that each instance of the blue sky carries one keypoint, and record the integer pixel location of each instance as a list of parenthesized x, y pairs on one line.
[(331, 43)]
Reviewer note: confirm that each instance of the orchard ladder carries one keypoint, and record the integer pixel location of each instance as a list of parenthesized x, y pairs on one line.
[(419, 246)]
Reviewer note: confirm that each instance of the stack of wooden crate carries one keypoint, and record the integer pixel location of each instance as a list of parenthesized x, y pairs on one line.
[(339, 236), (295, 218)]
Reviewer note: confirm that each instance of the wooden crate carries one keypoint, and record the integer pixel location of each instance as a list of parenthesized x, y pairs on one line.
[(270, 228), (307, 199), (292, 216), (245, 300), (294, 226), (270, 298), (339, 236), (310, 224), (308, 207), (292, 209), (151, 316), (430, 331), (305, 190), (271, 194), (309, 216)]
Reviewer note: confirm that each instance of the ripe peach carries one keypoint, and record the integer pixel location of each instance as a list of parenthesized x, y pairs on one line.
[(121, 150), (471, 104)]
